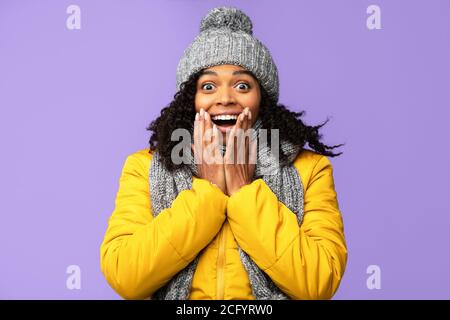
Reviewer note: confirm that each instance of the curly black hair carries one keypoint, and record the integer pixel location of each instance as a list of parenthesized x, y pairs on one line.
[(180, 113)]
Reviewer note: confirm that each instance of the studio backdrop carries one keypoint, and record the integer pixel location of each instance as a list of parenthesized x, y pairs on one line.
[(81, 80)]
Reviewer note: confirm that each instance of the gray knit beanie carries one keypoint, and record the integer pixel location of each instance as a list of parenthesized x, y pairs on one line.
[(226, 38)]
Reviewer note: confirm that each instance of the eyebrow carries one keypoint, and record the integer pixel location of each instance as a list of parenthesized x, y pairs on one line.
[(234, 72)]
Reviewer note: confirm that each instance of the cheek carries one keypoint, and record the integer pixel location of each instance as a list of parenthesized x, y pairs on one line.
[(252, 102), (202, 101)]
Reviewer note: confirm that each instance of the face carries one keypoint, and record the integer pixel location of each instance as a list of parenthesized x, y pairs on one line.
[(227, 90)]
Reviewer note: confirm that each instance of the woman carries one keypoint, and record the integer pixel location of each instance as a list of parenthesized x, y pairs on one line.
[(268, 227)]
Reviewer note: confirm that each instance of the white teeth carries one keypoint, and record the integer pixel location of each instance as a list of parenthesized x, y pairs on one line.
[(225, 117)]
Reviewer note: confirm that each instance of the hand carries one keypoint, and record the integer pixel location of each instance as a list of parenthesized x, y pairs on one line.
[(240, 155), (207, 154)]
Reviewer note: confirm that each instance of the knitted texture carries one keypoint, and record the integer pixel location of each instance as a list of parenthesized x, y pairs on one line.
[(226, 37), (282, 178)]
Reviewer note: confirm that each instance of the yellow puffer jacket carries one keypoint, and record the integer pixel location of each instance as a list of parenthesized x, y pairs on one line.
[(139, 253)]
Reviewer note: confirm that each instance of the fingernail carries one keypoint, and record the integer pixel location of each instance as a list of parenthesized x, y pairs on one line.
[(196, 116), (214, 129), (250, 115), (202, 112), (207, 116), (246, 111)]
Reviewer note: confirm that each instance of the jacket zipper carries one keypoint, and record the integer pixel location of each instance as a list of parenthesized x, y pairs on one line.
[(221, 265)]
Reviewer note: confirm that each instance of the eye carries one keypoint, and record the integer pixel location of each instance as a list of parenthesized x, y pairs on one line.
[(243, 86), (207, 86)]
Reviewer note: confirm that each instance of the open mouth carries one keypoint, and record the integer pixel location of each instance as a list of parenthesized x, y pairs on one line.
[(224, 121)]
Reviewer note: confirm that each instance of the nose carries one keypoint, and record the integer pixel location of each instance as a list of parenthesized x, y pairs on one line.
[(226, 97)]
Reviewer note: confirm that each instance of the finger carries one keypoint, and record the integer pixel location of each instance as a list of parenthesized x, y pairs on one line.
[(216, 140), (253, 146), (247, 138), (208, 128), (194, 152), (242, 144), (201, 132), (252, 159), (249, 135), (229, 153), (240, 139), (202, 123), (208, 138), (196, 127), (197, 141)]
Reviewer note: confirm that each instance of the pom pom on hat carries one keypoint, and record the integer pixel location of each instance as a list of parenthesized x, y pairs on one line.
[(227, 17)]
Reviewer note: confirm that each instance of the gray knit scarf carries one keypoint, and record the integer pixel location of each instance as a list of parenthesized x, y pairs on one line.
[(282, 178)]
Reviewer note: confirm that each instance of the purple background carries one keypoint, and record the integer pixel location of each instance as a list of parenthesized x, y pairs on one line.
[(75, 103)]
